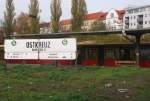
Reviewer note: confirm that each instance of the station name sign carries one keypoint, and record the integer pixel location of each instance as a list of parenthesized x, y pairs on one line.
[(53, 49)]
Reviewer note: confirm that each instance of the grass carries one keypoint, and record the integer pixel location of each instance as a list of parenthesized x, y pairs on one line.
[(45, 83)]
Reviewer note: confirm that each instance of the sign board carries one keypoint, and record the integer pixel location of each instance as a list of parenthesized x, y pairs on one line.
[(17, 49), (58, 49)]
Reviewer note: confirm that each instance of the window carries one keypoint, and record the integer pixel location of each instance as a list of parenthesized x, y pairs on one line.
[(149, 22), (145, 54), (145, 15), (145, 22), (136, 10), (126, 54), (142, 9), (148, 8), (131, 11), (112, 15), (109, 53), (91, 53), (134, 17), (131, 24)]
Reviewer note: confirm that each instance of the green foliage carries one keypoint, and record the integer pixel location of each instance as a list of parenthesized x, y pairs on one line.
[(34, 16), (145, 38), (104, 39), (55, 15), (78, 12), (98, 25), (9, 14)]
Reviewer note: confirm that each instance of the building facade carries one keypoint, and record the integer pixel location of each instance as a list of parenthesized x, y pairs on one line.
[(66, 25), (137, 17), (45, 28), (114, 19)]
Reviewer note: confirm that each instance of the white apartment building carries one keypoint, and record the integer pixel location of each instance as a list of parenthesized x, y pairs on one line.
[(137, 17)]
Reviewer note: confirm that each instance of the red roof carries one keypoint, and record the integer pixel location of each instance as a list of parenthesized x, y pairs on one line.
[(120, 13), (66, 22), (98, 15)]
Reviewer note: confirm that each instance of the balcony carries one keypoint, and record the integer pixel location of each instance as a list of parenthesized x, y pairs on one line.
[(127, 21), (139, 26), (126, 27), (140, 19)]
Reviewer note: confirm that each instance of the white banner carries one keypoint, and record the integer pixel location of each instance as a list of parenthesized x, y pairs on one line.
[(19, 45), (59, 55), (17, 55), (59, 45), (64, 48)]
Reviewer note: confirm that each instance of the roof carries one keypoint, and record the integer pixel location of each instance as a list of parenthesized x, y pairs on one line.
[(87, 43), (66, 22), (120, 13), (68, 34), (44, 24), (135, 7), (91, 16), (97, 15)]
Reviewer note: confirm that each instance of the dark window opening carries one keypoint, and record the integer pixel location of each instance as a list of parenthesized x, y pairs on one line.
[(126, 54)]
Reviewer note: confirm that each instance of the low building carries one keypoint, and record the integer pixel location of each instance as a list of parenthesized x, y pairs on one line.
[(88, 21), (65, 25), (137, 17), (45, 27)]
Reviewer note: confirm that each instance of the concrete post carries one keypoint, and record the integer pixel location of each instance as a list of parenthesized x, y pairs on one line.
[(138, 37)]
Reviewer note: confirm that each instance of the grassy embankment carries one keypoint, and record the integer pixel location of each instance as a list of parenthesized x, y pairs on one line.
[(43, 83)]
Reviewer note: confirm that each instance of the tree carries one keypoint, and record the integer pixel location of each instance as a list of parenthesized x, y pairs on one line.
[(98, 25), (78, 11), (23, 24), (56, 13), (34, 16), (9, 14)]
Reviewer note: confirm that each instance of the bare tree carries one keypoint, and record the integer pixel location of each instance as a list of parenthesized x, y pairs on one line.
[(23, 24)]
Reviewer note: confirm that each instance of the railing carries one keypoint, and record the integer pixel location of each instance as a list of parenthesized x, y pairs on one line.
[(126, 21), (126, 27), (139, 26), (125, 62), (140, 19)]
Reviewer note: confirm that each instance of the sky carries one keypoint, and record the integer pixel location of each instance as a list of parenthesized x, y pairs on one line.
[(92, 6)]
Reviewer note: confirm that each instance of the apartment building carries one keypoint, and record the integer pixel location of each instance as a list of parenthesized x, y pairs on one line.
[(137, 17)]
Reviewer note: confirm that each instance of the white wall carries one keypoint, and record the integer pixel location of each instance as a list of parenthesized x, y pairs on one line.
[(113, 21)]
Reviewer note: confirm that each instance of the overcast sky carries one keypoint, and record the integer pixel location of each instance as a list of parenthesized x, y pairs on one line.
[(92, 5)]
